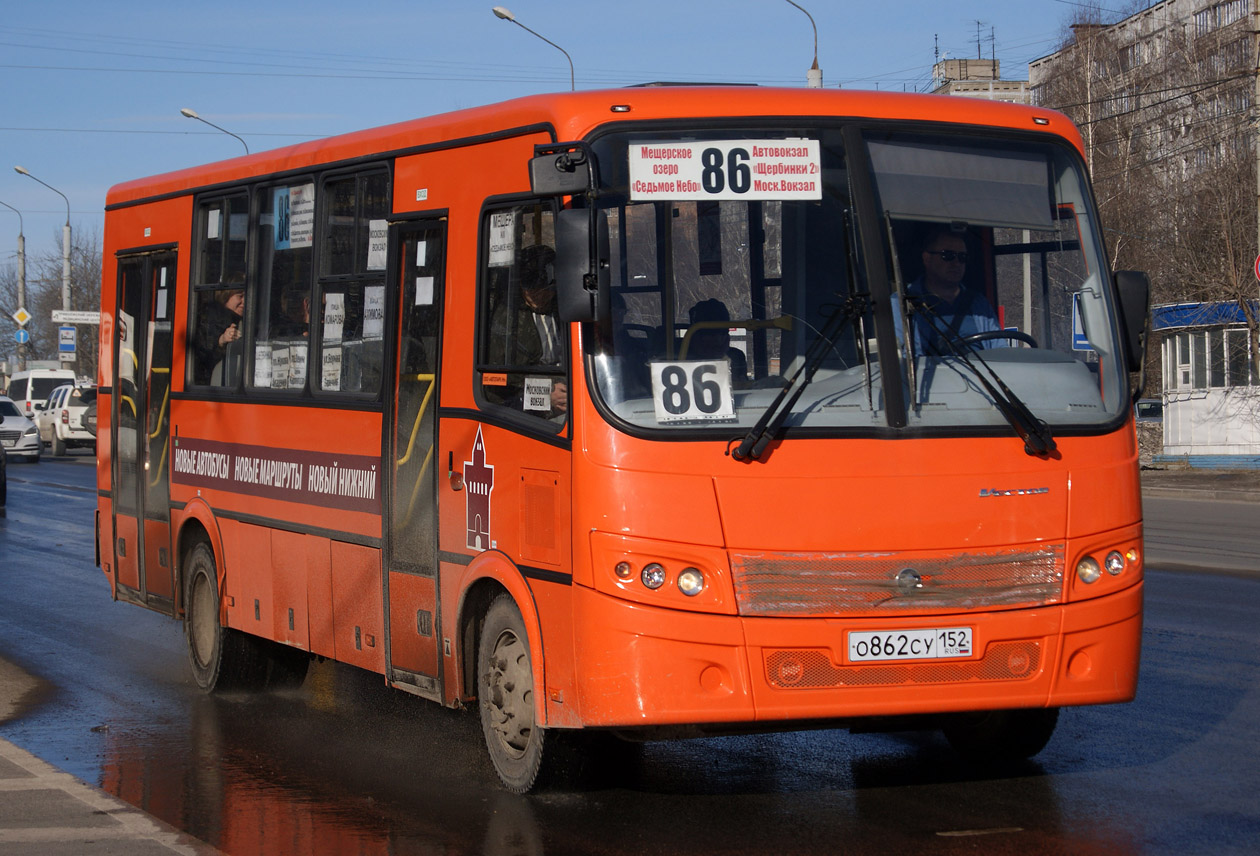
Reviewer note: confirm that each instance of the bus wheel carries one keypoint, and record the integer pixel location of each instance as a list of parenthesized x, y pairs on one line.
[(221, 658), (505, 696), (996, 736)]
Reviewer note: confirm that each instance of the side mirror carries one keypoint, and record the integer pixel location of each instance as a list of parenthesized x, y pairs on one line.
[(560, 170), (581, 265), (1135, 305)]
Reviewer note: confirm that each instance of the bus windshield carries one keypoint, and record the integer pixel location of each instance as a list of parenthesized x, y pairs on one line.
[(743, 264)]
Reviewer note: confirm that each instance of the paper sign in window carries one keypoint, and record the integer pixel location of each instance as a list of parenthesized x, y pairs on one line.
[(262, 364), (378, 234), (502, 237), (424, 291), (538, 394), (374, 312), (297, 365), (330, 370), (334, 316)]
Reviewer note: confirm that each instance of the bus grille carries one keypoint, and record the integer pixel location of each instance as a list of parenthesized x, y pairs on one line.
[(812, 669), (792, 584)]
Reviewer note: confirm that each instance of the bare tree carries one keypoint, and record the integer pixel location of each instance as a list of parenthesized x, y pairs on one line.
[(43, 295)]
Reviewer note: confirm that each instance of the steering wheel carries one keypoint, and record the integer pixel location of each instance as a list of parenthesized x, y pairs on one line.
[(1016, 335)]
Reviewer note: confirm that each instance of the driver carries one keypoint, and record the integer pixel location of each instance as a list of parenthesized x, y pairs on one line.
[(955, 310)]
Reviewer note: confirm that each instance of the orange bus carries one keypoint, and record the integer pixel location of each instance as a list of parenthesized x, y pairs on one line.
[(650, 412)]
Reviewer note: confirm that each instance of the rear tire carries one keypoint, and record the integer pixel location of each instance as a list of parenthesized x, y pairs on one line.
[(221, 658), (997, 736), (58, 446)]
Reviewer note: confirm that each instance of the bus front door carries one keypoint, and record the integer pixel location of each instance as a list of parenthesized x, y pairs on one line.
[(417, 262), (139, 429)]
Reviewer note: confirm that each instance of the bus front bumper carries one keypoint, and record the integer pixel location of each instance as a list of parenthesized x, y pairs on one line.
[(640, 666)]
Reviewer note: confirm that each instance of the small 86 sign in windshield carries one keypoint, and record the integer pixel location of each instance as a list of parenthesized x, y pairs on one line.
[(726, 169)]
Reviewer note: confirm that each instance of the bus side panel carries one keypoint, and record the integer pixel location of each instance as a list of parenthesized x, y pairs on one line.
[(358, 610), (105, 538), (291, 554), (247, 582), (157, 559), (413, 637), (127, 562)]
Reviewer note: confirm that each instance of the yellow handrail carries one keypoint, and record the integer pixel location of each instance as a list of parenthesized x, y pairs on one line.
[(411, 442)]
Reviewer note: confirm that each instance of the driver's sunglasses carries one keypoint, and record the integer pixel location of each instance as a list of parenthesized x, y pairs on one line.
[(949, 255)]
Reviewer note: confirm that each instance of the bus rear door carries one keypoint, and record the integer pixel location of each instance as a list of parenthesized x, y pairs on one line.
[(139, 429)]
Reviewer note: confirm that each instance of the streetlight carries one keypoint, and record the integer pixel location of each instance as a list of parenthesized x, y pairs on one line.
[(192, 114), (814, 75), (501, 12), (21, 254), (65, 239)]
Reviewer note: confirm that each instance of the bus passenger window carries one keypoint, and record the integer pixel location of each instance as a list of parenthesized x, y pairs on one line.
[(282, 299), (216, 330), (351, 316), (523, 356)]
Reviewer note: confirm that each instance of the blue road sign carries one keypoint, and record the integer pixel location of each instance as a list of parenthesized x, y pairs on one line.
[(23, 336)]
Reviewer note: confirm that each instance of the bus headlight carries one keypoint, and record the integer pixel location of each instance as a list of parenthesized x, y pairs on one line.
[(653, 576), (691, 582), (1114, 563), (1088, 569)]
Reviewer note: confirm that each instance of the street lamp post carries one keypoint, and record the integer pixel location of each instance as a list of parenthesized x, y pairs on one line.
[(192, 114), (814, 76), (65, 239), (501, 12), (21, 255)]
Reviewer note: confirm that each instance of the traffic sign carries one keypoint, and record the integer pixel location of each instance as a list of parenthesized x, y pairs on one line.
[(74, 316), (66, 340), (1257, 268), (23, 336), (21, 316)]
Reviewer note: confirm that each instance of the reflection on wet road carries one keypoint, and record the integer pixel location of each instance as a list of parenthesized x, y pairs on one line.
[(346, 765)]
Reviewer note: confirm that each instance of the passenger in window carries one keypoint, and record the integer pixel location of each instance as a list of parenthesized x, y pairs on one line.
[(944, 308), (714, 342), (531, 335), (218, 328)]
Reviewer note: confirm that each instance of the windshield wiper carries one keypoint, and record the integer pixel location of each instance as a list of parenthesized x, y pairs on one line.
[(773, 417), (1033, 431)]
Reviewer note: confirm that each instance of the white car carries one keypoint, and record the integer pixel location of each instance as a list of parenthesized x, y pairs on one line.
[(18, 434), (60, 421)]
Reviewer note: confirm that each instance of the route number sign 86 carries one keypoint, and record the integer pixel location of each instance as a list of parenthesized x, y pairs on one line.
[(692, 391)]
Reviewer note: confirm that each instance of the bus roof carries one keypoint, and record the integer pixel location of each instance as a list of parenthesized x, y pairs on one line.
[(574, 114)]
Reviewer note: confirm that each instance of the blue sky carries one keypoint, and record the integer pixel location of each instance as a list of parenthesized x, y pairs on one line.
[(90, 92)]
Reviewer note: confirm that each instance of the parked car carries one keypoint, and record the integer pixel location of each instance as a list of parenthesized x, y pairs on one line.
[(31, 388), (1149, 410), (18, 434), (59, 420), (87, 420)]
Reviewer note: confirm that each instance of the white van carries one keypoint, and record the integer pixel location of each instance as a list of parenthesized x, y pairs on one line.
[(30, 389)]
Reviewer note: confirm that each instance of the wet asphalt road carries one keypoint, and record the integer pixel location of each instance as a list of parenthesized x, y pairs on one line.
[(346, 765)]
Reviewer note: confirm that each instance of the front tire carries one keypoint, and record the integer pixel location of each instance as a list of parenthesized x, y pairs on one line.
[(505, 697)]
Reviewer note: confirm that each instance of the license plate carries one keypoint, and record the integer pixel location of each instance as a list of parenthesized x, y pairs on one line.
[(925, 644)]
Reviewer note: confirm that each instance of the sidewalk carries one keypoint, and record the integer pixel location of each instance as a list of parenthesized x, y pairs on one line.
[(1229, 485), (48, 812)]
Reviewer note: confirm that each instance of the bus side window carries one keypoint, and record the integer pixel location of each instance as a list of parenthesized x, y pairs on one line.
[(285, 239), (350, 313), (523, 346), (214, 354)]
